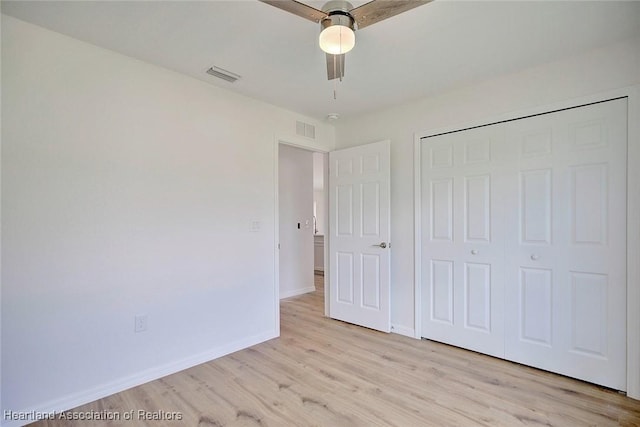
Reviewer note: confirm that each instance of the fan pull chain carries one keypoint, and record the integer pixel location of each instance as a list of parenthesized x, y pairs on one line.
[(335, 84), (340, 56), (337, 67)]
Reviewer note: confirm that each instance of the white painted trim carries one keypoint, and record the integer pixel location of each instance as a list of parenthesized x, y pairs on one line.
[(0, 223), (633, 210), (540, 109), (276, 232), (301, 142), (633, 243), (403, 330), (296, 292), (417, 240), (76, 399), (327, 235)]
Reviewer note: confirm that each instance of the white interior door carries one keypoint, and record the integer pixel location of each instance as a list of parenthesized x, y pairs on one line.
[(567, 259), (524, 241), (463, 243), (359, 227)]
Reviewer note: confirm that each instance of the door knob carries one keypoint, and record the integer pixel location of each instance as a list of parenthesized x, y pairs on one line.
[(474, 252), (381, 245), (535, 257)]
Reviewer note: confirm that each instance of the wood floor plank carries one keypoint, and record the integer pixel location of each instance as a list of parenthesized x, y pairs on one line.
[(322, 372)]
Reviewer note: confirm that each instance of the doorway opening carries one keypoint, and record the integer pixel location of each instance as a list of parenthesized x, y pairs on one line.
[(319, 220), (359, 230), (302, 222)]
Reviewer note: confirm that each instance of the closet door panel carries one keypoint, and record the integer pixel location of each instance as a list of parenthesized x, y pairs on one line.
[(566, 268), (523, 241), (462, 244)]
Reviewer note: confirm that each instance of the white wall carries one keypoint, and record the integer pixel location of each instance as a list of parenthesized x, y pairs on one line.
[(128, 189), (319, 160), (296, 207), (600, 70), (321, 210)]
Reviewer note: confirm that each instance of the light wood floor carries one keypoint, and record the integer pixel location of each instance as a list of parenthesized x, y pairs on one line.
[(322, 372)]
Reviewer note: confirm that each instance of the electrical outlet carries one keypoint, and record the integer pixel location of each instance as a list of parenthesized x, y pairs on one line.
[(140, 323)]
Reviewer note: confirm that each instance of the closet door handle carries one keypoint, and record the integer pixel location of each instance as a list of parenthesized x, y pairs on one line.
[(535, 257), (474, 252)]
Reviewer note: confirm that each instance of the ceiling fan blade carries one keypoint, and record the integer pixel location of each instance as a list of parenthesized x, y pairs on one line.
[(335, 66), (378, 10), (297, 8)]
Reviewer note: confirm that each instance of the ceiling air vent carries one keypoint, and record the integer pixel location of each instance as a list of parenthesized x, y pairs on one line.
[(223, 74), (306, 130)]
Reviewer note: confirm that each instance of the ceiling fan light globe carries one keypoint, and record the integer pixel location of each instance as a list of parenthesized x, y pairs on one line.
[(337, 39)]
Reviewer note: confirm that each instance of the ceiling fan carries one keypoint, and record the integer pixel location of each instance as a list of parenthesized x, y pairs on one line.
[(339, 20)]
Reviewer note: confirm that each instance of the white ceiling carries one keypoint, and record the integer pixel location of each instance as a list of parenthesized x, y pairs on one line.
[(436, 47)]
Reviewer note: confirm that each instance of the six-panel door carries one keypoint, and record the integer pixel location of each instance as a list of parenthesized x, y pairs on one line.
[(566, 259), (359, 247), (463, 252), (524, 241)]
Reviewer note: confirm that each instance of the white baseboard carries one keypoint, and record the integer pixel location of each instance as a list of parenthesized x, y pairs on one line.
[(403, 330), (296, 292), (81, 398)]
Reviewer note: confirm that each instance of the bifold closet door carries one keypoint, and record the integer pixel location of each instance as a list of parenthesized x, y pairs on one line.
[(463, 240), (566, 258), (523, 244)]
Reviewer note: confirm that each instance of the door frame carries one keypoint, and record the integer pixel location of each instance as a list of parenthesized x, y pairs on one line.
[(312, 146), (632, 93)]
